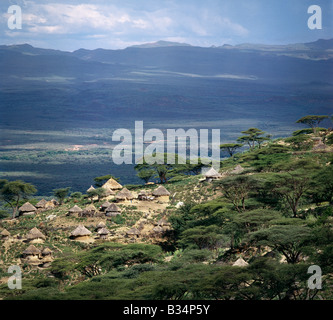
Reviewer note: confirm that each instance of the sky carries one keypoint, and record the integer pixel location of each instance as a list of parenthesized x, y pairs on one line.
[(116, 24)]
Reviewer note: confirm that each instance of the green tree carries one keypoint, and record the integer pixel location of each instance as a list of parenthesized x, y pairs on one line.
[(252, 136), (14, 191), (236, 190), (160, 165), (146, 174), (322, 185), (203, 237), (61, 194), (230, 147), (312, 121), (289, 240), (98, 192), (76, 195), (300, 142)]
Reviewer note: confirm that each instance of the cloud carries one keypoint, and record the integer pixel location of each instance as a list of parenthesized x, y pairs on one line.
[(126, 22)]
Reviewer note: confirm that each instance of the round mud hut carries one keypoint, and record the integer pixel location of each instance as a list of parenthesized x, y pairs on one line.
[(31, 254), (27, 209), (74, 211), (124, 196), (35, 236), (113, 210), (211, 175), (41, 205), (240, 262), (81, 233), (103, 233), (162, 194)]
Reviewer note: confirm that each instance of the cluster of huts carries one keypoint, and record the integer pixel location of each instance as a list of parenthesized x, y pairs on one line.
[(114, 190), (28, 209), (81, 233)]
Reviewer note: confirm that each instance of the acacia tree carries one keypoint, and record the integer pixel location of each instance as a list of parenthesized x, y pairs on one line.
[(290, 240), (236, 190), (312, 121), (230, 147), (98, 192), (252, 136), (14, 191), (61, 194)]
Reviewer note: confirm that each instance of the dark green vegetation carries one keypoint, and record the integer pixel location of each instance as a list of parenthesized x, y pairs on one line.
[(277, 214)]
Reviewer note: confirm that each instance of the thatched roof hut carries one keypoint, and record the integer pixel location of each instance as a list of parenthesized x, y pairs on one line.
[(90, 189), (80, 233), (143, 195), (46, 251), (240, 262), (27, 209), (51, 204), (46, 257), (90, 207), (124, 195), (41, 204), (31, 253), (112, 210), (238, 169), (105, 205), (161, 191), (74, 210), (103, 233), (35, 235), (112, 184), (162, 194), (133, 232), (212, 174), (100, 225), (5, 234)]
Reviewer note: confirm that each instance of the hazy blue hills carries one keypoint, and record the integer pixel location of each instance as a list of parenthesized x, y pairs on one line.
[(299, 63)]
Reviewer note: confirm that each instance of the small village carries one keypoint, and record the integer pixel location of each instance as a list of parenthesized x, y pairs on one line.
[(152, 224)]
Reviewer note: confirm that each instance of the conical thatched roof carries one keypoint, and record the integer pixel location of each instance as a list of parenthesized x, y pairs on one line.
[(124, 194), (101, 225), (113, 208), (109, 192), (46, 251), (237, 169), (90, 189), (103, 231), (34, 233), (31, 250), (240, 262), (5, 233), (212, 173), (75, 209), (161, 191), (112, 184), (90, 207), (27, 207), (133, 231), (41, 203), (105, 204), (80, 231)]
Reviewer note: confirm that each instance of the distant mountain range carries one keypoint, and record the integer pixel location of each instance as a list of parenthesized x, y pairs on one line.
[(293, 63)]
